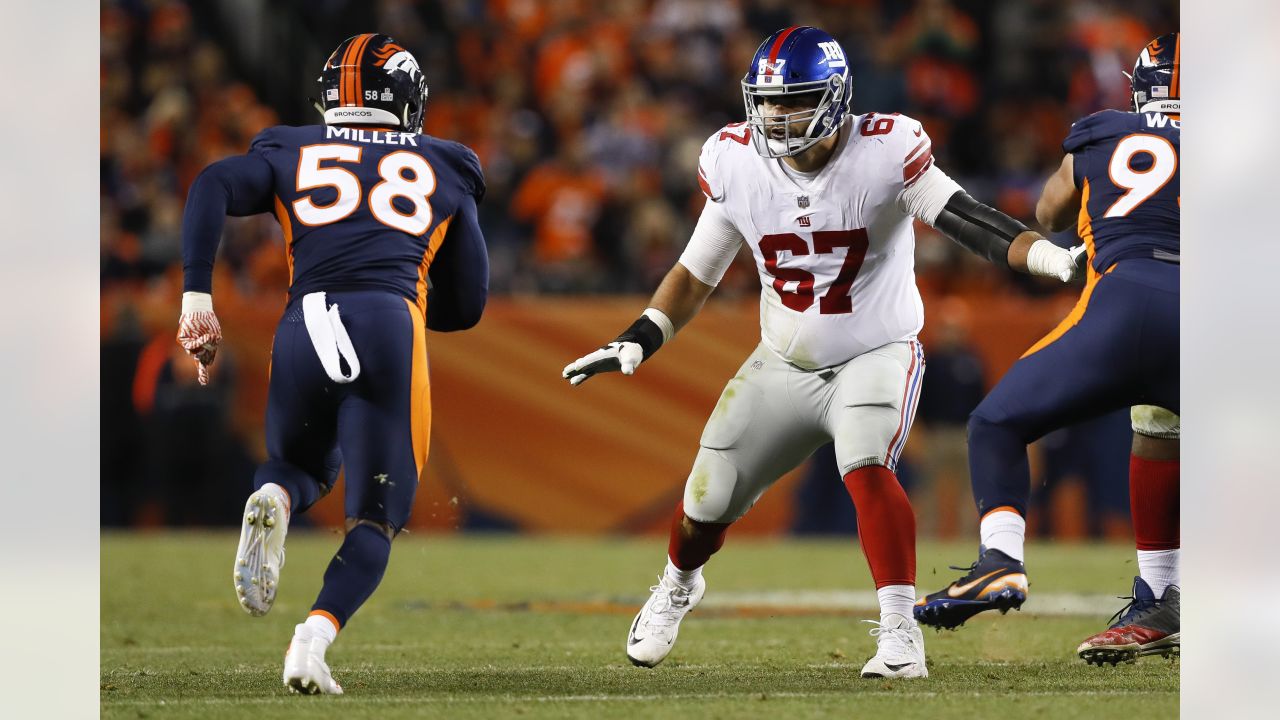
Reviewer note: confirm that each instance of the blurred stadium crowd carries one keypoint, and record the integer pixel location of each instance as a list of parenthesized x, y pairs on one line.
[(588, 118)]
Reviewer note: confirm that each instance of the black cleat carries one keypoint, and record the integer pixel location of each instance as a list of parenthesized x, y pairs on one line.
[(995, 582), (1146, 626)]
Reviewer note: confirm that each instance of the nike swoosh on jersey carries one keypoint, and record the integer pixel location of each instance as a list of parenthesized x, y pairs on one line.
[(918, 130), (958, 590)]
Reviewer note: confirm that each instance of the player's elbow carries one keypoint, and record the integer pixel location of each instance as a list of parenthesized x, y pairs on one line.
[(1052, 217), (461, 314), (471, 316)]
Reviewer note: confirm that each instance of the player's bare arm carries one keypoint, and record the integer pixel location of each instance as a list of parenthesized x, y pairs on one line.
[(678, 298), (680, 295), (1059, 203)]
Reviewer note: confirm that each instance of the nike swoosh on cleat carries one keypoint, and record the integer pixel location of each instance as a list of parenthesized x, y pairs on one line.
[(896, 668), (956, 591)]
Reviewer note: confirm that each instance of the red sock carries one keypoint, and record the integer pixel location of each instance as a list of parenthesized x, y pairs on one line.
[(690, 553), (886, 524), (1153, 502)]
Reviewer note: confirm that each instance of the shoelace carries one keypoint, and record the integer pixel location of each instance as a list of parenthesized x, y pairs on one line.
[(968, 571), (1134, 611), (664, 603), (892, 634)]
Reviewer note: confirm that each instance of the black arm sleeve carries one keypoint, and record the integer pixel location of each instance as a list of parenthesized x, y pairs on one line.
[(978, 228), (239, 185), (459, 273)]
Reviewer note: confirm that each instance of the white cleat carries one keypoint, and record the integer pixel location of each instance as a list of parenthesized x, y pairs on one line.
[(899, 649), (305, 670), (653, 632), (260, 554)]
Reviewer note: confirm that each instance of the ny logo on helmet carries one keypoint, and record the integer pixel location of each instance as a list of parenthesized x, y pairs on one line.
[(835, 56)]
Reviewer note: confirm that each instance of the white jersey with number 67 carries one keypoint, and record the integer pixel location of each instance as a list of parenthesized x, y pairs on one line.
[(835, 248)]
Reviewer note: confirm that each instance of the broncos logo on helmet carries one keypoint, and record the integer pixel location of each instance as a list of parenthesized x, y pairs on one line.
[(1155, 81), (370, 79)]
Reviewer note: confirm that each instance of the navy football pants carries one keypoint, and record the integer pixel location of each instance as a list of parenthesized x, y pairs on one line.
[(377, 426), (1118, 348)]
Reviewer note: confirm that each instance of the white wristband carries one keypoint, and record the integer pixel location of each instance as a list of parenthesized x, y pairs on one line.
[(663, 322), (196, 302)]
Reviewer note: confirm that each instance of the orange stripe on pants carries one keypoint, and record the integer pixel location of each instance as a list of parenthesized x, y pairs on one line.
[(420, 405)]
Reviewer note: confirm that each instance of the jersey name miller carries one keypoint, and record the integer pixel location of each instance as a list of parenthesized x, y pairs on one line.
[(375, 137)]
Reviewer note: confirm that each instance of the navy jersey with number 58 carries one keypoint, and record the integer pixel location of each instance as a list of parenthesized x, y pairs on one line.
[(394, 192), (1126, 167), (361, 208)]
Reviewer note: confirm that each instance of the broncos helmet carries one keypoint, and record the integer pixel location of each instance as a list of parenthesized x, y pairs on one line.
[(370, 80), (1155, 76), (796, 61)]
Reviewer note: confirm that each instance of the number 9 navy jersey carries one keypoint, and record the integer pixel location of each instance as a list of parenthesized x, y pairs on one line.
[(1126, 167), (365, 208)]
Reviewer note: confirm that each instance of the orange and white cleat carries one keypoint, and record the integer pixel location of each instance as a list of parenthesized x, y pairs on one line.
[(995, 582)]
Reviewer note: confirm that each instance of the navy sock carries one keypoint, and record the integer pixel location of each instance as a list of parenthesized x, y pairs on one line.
[(998, 468), (354, 573)]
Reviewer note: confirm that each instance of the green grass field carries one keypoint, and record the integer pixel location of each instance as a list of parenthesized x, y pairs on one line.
[(484, 627)]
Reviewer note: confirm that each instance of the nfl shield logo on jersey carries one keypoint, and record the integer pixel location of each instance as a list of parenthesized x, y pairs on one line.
[(802, 201)]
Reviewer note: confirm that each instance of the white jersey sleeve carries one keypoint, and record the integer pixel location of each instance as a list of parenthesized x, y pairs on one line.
[(925, 189), (711, 174), (925, 198), (713, 245)]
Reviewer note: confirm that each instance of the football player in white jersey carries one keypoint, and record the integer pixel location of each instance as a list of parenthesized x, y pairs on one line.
[(825, 200)]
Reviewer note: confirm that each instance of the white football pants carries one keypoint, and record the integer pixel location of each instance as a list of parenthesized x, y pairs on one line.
[(772, 415)]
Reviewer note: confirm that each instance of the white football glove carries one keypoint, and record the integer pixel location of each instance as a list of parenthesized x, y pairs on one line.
[(1048, 260), (627, 351), (624, 356), (199, 332)]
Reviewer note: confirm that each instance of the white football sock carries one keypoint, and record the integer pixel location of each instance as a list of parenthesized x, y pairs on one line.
[(682, 578), (281, 494), (322, 628), (1160, 569), (1004, 530), (896, 599)]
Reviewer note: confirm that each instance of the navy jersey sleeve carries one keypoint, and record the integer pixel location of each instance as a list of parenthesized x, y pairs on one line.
[(459, 273), (1088, 131), (238, 186), (465, 162)]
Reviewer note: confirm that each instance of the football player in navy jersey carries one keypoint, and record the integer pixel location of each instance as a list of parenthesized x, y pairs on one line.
[(382, 243), (1119, 183)]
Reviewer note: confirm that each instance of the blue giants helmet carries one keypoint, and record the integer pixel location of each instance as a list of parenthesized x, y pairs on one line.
[(798, 67), (1155, 76)]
